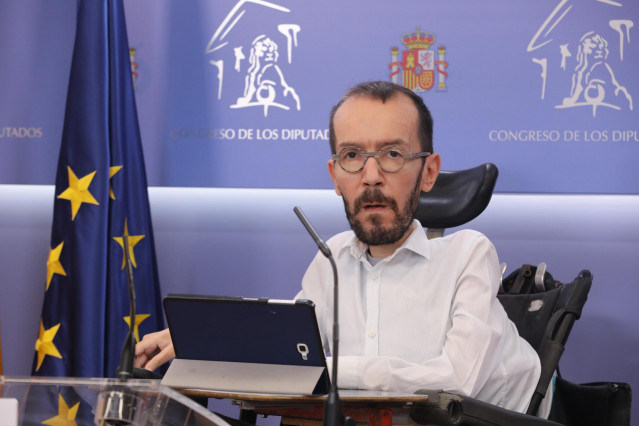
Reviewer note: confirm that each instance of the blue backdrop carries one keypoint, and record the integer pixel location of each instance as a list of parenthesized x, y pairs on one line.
[(236, 93)]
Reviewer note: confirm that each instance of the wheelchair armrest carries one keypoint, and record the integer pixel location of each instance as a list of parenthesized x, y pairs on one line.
[(447, 409)]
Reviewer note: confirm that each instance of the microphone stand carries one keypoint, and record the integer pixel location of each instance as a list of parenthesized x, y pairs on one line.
[(125, 369), (333, 415), (120, 405), (333, 409)]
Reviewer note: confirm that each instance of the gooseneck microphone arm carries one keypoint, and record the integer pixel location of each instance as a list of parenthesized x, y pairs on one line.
[(332, 410), (118, 404), (125, 369)]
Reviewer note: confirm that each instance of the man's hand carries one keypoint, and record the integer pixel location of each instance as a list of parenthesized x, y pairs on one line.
[(154, 350)]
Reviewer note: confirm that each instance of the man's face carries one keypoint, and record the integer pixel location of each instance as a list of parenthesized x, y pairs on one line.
[(380, 205)]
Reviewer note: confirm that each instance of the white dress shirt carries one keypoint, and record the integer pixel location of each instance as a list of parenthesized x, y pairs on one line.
[(424, 318)]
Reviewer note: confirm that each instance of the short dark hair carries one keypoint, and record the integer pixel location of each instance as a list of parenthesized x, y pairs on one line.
[(383, 90)]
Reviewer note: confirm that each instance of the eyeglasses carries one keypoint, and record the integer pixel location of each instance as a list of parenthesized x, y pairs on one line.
[(390, 158)]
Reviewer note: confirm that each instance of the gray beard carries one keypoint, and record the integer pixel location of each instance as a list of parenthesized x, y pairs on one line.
[(376, 234)]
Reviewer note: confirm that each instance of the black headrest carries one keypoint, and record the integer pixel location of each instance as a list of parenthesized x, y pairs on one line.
[(457, 197)]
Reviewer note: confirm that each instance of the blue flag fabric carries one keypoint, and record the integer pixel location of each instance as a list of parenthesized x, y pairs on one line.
[(100, 196)]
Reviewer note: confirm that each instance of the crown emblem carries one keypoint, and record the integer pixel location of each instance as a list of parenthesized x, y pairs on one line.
[(419, 67), (418, 39)]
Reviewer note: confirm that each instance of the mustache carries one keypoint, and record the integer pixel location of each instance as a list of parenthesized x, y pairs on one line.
[(373, 196)]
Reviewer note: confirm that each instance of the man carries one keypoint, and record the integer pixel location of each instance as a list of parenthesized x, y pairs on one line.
[(414, 313)]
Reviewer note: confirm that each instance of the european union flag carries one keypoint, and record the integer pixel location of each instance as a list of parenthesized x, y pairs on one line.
[(100, 196)]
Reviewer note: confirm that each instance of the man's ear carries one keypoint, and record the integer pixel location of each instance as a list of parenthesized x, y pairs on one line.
[(331, 171), (430, 172)]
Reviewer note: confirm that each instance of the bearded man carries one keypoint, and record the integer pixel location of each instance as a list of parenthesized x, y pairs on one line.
[(414, 313)]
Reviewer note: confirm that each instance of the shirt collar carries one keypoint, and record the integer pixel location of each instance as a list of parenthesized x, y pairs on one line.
[(417, 242)]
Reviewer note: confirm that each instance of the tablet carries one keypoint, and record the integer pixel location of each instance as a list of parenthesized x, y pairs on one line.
[(245, 345)]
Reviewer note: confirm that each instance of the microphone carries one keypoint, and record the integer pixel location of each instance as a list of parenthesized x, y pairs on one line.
[(314, 235), (332, 410)]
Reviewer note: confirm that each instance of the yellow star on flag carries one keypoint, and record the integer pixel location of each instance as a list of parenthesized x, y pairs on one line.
[(112, 171), (66, 415), (133, 240), (44, 345), (53, 263), (138, 320), (78, 191)]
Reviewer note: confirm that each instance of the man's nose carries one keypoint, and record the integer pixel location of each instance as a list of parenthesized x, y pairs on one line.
[(372, 174)]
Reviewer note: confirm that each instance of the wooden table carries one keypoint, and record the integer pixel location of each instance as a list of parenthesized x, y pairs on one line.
[(365, 407)]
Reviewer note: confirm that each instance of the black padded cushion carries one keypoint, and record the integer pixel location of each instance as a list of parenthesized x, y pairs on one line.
[(457, 197)]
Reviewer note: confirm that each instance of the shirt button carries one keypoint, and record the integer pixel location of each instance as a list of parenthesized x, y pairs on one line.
[(371, 334), (374, 275)]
